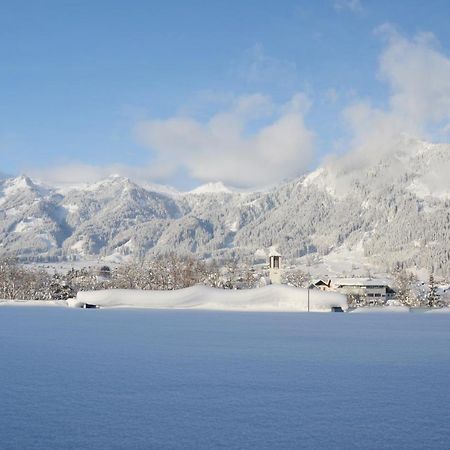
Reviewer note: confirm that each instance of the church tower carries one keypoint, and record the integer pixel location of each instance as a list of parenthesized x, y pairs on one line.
[(275, 268)]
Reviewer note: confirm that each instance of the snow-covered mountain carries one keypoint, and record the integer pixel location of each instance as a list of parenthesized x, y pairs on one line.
[(393, 208)]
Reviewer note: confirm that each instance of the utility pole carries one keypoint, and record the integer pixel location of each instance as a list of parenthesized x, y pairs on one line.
[(308, 298)]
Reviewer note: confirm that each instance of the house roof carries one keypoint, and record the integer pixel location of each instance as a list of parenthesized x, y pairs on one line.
[(321, 283), (360, 282)]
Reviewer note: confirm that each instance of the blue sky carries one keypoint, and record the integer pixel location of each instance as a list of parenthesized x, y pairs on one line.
[(186, 92)]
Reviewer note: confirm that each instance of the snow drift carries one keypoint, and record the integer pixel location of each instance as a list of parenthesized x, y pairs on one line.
[(381, 309), (268, 298), (55, 303)]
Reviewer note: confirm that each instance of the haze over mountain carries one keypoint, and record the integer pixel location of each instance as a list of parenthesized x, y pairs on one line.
[(392, 209)]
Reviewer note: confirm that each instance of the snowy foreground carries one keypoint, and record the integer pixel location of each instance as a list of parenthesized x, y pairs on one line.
[(268, 298), (205, 380)]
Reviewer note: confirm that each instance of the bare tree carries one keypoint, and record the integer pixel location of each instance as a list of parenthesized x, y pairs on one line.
[(296, 278)]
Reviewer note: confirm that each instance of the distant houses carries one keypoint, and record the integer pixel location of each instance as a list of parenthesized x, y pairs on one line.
[(373, 289)]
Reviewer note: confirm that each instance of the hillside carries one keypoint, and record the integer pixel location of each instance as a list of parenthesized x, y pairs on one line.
[(390, 209)]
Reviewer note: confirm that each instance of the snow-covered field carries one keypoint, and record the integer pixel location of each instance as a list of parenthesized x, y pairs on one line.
[(172, 379), (269, 298)]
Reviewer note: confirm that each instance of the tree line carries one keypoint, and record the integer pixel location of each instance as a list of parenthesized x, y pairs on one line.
[(20, 282), (170, 272)]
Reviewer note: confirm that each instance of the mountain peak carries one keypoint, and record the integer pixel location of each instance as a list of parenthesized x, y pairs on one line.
[(212, 188), (23, 182)]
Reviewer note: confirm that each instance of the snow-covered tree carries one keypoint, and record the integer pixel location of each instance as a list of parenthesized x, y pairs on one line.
[(357, 300), (432, 298), (19, 283), (296, 278), (60, 287), (404, 283)]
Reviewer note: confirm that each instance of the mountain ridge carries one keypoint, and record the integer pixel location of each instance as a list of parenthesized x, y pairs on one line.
[(390, 210)]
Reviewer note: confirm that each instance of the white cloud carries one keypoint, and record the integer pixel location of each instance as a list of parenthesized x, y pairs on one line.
[(68, 174), (351, 5), (78, 173), (250, 141), (418, 77), (254, 143)]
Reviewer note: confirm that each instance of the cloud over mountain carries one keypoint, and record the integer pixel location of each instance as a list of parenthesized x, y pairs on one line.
[(417, 75), (254, 143), (254, 140)]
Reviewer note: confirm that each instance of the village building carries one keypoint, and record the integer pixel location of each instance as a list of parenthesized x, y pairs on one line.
[(367, 287), (322, 285)]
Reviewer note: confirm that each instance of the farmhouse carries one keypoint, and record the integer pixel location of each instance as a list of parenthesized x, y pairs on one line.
[(322, 285), (368, 287)]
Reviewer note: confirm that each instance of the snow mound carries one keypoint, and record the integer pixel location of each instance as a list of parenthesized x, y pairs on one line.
[(439, 311), (381, 309), (54, 303), (268, 298)]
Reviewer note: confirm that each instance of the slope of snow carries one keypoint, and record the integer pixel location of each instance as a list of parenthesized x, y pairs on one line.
[(269, 298), (66, 188), (28, 224), (11, 187), (311, 177), (439, 311), (381, 309), (51, 303)]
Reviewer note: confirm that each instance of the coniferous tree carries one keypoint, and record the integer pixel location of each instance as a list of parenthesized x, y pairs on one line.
[(432, 298)]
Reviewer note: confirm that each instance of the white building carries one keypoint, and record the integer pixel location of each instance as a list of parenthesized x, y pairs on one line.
[(367, 287)]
